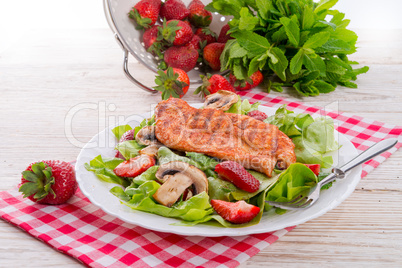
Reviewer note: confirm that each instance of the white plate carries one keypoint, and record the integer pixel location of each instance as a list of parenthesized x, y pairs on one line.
[(98, 193)]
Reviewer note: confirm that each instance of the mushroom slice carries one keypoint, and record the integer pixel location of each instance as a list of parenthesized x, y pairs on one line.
[(221, 100), (146, 135), (200, 181), (152, 149), (172, 189)]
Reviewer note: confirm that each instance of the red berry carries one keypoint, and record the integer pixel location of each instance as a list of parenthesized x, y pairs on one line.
[(256, 78), (174, 10), (127, 136), (184, 57), (206, 35), (145, 13), (177, 32), (199, 16), (194, 42), (150, 36), (214, 83), (172, 82), (314, 167), (239, 212), (212, 53), (49, 182), (238, 175), (258, 115), (134, 166), (223, 36)]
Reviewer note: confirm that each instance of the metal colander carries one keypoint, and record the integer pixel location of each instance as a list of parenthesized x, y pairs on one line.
[(130, 39)]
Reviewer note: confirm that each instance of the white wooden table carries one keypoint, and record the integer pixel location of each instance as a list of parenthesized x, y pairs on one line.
[(61, 76)]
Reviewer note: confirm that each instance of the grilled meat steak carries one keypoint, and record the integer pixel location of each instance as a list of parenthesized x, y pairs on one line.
[(250, 142)]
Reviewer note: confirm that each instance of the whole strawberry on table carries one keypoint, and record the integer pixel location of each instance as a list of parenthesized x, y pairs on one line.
[(49, 182)]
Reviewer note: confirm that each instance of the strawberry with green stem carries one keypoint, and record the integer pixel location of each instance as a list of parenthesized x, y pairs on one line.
[(145, 13), (175, 32), (49, 182), (173, 82), (250, 82), (212, 84), (206, 34), (199, 16)]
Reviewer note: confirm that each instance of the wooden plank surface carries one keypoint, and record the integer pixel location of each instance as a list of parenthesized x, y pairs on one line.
[(50, 74)]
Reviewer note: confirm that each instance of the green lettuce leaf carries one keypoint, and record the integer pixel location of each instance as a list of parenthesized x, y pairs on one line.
[(147, 175), (243, 107), (103, 169), (165, 155), (196, 208), (224, 190), (120, 130), (296, 180), (313, 139), (216, 220), (129, 149)]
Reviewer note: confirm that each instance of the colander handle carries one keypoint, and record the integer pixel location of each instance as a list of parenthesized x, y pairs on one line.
[(130, 77)]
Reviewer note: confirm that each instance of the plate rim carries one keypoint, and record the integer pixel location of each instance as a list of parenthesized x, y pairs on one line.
[(189, 230)]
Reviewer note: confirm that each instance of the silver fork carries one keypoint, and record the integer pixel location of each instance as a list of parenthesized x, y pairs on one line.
[(301, 202)]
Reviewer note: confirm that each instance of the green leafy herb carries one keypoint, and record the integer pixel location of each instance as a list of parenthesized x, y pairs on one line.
[(305, 44)]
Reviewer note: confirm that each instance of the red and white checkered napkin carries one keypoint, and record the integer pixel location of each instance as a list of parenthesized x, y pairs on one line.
[(97, 239), (85, 232)]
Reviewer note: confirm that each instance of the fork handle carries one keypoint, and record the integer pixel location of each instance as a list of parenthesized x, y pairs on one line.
[(371, 152)]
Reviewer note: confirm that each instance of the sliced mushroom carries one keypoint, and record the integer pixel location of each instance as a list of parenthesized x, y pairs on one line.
[(152, 149), (198, 176), (172, 189), (221, 100), (146, 135), (178, 169)]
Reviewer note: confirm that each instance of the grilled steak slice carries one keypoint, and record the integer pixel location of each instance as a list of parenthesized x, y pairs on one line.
[(250, 142)]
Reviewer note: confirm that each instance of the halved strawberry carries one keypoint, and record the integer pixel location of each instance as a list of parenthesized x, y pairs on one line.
[(258, 115), (314, 167), (238, 175), (134, 166), (239, 212)]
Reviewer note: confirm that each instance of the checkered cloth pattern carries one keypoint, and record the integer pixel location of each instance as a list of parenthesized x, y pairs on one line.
[(97, 239)]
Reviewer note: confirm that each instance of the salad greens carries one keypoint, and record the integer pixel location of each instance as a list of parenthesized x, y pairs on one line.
[(243, 107), (313, 138), (300, 43), (103, 169), (296, 180)]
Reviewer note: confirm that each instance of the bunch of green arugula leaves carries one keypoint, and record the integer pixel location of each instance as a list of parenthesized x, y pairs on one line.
[(297, 43)]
